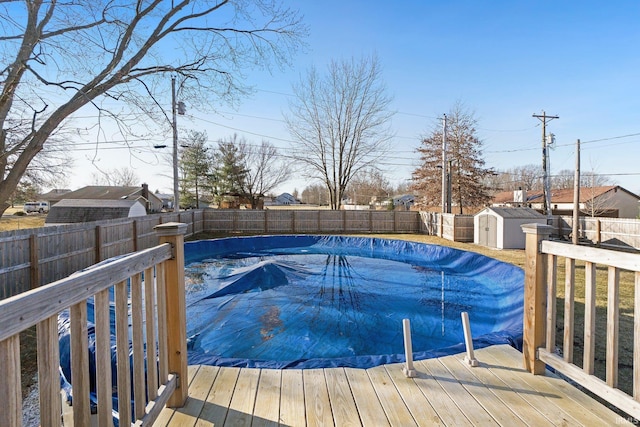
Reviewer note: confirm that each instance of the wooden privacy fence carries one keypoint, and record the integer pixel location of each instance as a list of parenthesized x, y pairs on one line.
[(155, 277), (539, 337), (33, 257), (311, 221), (621, 233), (458, 228)]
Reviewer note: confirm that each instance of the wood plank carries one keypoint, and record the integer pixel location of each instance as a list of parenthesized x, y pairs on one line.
[(139, 382), (10, 386), (80, 364), (481, 392), (161, 295), (316, 398), (613, 325), (636, 339), (545, 392), (267, 407), (552, 278), (472, 410), (292, 411), (614, 396), (588, 361), (244, 398), (369, 407), (217, 403), (49, 371), (417, 403), (104, 387), (569, 308), (202, 379), (397, 412), (29, 308), (543, 399), (343, 406), (441, 402), (172, 233), (150, 333), (122, 354), (623, 260), (510, 399)]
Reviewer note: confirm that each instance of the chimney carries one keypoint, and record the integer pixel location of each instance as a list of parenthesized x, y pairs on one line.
[(145, 195), (520, 196)]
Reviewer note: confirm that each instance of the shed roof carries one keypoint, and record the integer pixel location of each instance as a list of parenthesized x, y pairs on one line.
[(515, 212), (86, 210)]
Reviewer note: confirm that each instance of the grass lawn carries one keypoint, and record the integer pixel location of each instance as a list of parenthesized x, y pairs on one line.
[(9, 221)]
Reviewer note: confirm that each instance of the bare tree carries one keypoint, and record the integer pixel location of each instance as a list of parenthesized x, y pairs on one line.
[(58, 57), (125, 177), (527, 177), (368, 185), (466, 169), (316, 194), (340, 122), (563, 179), (265, 170)]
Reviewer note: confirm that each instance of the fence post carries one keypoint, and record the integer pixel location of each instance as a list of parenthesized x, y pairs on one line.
[(34, 265), (173, 233), (98, 247), (535, 289)]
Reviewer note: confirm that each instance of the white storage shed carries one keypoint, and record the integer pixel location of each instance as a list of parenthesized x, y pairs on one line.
[(500, 227)]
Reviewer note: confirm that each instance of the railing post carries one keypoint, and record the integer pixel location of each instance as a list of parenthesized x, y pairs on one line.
[(173, 233), (535, 290)]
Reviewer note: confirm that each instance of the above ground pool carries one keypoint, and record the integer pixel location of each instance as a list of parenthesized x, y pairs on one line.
[(323, 301)]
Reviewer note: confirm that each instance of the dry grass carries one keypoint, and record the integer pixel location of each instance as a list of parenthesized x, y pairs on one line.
[(9, 221)]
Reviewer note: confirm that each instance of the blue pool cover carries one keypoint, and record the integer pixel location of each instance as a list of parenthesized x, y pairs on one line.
[(325, 301)]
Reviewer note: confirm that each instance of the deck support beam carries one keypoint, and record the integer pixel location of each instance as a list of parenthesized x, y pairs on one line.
[(535, 289), (173, 233)]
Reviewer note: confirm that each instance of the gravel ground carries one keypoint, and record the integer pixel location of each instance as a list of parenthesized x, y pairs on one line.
[(31, 407)]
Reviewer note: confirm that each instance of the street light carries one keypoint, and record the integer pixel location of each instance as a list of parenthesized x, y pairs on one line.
[(178, 108)]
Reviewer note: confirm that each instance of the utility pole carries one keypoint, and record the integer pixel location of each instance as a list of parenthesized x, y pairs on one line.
[(179, 108), (444, 164), (547, 184), (576, 197), (176, 191)]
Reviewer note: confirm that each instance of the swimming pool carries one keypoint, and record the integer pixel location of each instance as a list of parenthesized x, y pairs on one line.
[(323, 301)]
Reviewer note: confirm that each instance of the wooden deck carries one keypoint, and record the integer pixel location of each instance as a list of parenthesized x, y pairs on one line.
[(446, 392)]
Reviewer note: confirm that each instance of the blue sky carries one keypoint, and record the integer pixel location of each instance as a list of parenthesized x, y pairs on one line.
[(505, 60)]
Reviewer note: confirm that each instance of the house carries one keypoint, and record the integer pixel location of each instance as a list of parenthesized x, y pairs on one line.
[(500, 228), (69, 211), (150, 201), (404, 202), (604, 201), (283, 199), (54, 196)]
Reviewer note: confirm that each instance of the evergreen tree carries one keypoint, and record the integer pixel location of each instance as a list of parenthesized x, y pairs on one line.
[(230, 171), (196, 164), (465, 167)]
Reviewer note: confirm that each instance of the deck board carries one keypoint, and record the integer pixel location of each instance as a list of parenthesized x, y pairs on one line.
[(445, 392), (267, 407), (316, 398), (292, 412), (343, 406)]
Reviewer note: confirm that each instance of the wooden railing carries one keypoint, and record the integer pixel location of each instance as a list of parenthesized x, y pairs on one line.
[(539, 337), (155, 277)]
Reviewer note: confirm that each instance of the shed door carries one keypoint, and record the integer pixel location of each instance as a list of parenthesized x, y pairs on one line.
[(488, 232)]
